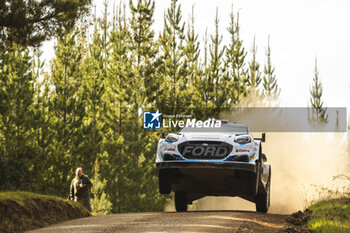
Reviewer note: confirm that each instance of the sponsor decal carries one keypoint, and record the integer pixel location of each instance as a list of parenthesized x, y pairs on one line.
[(170, 149), (242, 150)]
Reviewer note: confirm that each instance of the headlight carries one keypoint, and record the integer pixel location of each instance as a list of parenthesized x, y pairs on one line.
[(172, 137), (243, 139)]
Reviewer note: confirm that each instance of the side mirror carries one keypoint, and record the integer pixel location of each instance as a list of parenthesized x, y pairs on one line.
[(263, 137), (163, 135), (263, 157)]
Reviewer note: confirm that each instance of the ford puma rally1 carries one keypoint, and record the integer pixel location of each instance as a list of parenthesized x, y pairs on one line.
[(214, 161)]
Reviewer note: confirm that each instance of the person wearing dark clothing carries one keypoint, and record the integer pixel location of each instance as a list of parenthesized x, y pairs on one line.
[(80, 189)]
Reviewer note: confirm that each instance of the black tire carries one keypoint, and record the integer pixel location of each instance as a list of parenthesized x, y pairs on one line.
[(180, 202), (164, 181), (262, 200), (261, 203)]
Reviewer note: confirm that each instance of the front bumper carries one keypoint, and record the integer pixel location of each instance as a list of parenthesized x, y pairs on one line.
[(215, 165)]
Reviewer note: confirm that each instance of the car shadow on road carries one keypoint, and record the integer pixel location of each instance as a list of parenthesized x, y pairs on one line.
[(214, 211)]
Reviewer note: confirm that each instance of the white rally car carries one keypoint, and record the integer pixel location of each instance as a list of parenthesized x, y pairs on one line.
[(214, 161)]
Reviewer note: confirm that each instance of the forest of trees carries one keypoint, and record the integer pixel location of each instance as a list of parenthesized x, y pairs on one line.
[(86, 111)]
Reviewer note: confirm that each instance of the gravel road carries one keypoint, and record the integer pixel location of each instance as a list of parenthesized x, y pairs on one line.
[(196, 221)]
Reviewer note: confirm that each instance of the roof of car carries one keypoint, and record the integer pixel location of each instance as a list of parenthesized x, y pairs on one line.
[(224, 124), (232, 124)]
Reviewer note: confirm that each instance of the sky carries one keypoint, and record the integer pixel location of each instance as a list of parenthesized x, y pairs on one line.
[(299, 30)]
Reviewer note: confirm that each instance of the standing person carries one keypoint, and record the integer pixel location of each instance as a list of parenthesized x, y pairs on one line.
[(80, 189)]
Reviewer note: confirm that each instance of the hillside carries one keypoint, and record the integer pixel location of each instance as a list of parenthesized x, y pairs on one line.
[(21, 211)]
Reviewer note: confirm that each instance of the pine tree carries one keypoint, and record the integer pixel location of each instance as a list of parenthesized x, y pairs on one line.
[(142, 175), (205, 86), (67, 109), (142, 36), (235, 61), (172, 48), (318, 111), (270, 85), (215, 66), (18, 151), (43, 121), (255, 95), (191, 50), (143, 57), (37, 68), (143, 45), (28, 23), (254, 76), (191, 65), (95, 72), (118, 91)]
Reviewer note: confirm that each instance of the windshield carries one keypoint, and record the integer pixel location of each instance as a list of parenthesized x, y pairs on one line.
[(225, 128)]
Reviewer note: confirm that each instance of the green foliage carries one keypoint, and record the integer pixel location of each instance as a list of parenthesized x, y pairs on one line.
[(192, 71), (118, 92), (204, 86), (215, 68), (18, 156), (330, 216), (235, 61), (87, 110), (28, 23), (271, 89), (42, 121), (142, 182), (173, 70), (191, 51), (67, 111), (318, 111), (254, 76), (100, 203), (93, 90)]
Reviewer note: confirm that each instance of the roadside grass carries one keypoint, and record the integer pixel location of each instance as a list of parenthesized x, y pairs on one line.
[(22, 211), (330, 216)]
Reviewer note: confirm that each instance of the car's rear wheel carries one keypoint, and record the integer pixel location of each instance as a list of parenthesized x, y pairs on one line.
[(164, 181), (181, 202), (262, 200)]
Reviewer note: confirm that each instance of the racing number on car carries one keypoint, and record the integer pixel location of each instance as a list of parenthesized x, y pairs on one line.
[(210, 151)]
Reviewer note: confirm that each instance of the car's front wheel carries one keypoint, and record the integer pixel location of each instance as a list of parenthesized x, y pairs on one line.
[(180, 201)]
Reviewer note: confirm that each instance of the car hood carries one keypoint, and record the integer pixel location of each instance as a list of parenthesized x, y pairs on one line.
[(205, 136)]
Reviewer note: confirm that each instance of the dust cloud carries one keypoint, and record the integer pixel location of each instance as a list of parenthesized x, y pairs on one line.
[(301, 162)]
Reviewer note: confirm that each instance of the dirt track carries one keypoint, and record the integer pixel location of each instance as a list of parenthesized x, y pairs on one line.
[(199, 221)]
